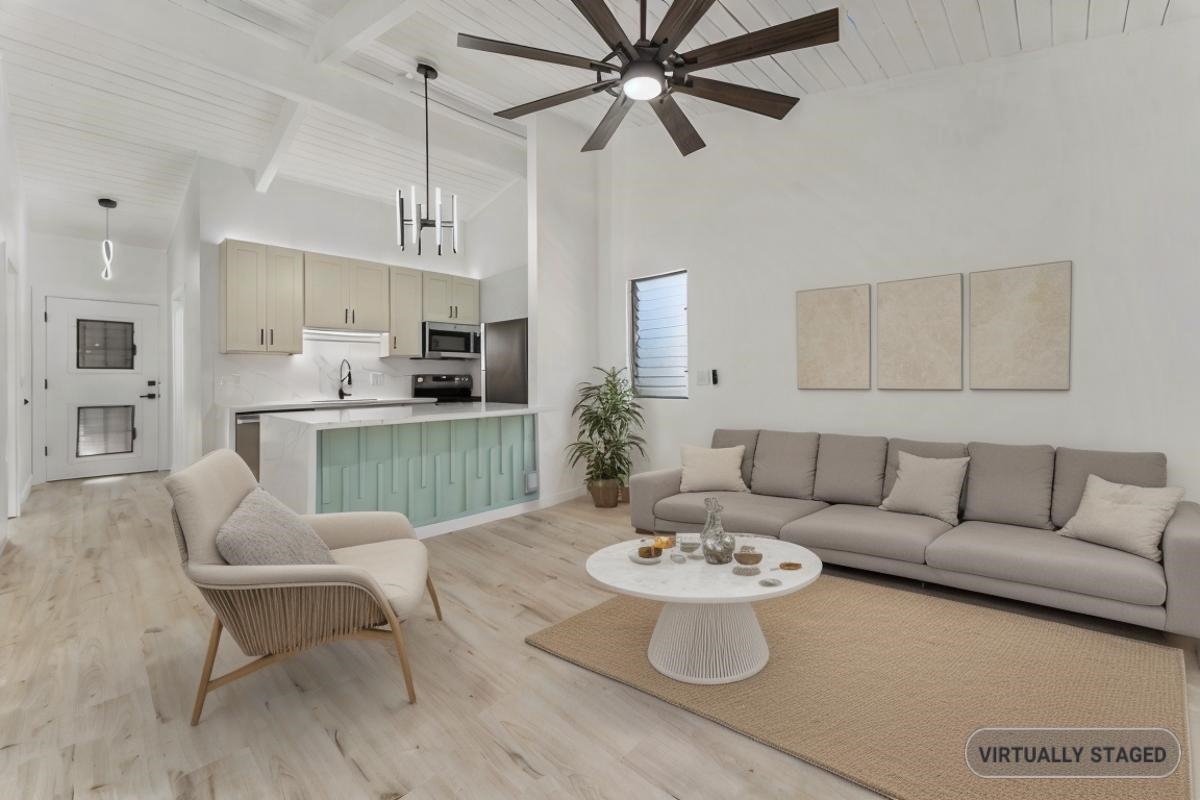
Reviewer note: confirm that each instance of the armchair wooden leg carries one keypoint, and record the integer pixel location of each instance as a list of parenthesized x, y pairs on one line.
[(205, 674), (437, 607), (408, 681)]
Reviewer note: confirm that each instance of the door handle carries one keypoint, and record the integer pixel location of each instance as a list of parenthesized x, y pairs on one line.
[(151, 396)]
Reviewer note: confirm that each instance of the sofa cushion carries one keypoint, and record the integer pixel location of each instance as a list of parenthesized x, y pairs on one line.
[(711, 469), (866, 530), (1129, 518), (1072, 467), (725, 437), (1010, 484), (785, 464), (743, 513), (1026, 555), (917, 448), (850, 469), (399, 566)]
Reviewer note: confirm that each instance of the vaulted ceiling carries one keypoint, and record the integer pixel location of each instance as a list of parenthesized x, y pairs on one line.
[(118, 98)]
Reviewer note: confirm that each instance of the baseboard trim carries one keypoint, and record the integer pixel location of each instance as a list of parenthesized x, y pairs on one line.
[(450, 526)]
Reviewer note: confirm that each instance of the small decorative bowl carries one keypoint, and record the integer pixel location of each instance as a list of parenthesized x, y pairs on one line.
[(748, 556), (649, 551), (790, 566)]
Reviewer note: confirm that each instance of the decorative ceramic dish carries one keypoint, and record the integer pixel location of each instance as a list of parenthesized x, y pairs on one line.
[(770, 583), (790, 566), (636, 558)]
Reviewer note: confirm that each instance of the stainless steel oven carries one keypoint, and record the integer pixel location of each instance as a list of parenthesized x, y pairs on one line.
[(451, 340)]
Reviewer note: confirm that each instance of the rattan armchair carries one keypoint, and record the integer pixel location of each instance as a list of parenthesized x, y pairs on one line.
[(276, 612)]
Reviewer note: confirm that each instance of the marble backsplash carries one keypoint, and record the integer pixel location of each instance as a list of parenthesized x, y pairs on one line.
[(247, 380)]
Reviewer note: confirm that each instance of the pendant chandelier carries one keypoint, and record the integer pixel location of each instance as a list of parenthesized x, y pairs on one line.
[(410, 228), (106, 247)]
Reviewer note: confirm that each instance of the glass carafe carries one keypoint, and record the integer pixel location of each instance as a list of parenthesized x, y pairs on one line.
[(714, 541)]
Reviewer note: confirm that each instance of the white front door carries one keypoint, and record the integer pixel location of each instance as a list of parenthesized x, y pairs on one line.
[(102, 388)]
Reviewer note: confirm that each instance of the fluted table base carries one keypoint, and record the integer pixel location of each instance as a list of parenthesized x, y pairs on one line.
[(708, 642)]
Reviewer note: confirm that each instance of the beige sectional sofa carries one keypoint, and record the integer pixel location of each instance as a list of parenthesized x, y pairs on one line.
[(822, 491)]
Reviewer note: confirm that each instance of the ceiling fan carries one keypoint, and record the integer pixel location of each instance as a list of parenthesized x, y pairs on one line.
[(652, 68)]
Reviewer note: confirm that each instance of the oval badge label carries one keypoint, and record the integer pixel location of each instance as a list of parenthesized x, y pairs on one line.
[(1073, 752)]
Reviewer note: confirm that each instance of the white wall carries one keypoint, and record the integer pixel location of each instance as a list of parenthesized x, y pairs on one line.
[(563, 248), (501, 257), (63, 266), (15, 361), (505, 295), (1084, 152)]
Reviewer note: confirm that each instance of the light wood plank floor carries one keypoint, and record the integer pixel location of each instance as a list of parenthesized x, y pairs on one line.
[(102, 641)]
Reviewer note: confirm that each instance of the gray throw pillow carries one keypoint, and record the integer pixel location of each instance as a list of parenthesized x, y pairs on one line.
[(927, 486), (262, 530)]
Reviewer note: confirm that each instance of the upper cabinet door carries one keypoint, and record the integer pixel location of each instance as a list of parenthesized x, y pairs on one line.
[(464, 298), (243, 297), (407, 301), (326, 292), (368, 296), (438, 297), (285, 300)]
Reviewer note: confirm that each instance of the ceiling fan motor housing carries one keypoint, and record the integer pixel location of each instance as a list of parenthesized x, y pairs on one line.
[(643, 80)]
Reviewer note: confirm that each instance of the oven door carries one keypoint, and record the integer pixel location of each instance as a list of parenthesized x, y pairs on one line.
[(447, 340)]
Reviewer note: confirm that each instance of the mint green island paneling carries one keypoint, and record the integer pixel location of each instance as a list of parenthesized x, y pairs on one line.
[(429, 471)]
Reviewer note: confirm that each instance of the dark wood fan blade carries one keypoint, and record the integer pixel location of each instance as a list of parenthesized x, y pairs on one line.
[(535, 53), (600, 16), (555, 100), (799, 33), (747, 98), (678, 22), (608, 126), (677, 124)]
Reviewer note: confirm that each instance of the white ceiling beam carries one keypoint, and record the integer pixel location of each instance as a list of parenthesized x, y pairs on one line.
[(291, 117), (358, 23), (201, 41)]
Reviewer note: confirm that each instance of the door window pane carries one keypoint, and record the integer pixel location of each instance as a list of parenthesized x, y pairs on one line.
[(104, 430), (101, 344)]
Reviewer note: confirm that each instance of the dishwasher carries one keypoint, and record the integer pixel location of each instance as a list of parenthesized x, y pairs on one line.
[(245, 440)]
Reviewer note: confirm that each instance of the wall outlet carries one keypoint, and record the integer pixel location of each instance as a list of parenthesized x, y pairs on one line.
[(376, 378)]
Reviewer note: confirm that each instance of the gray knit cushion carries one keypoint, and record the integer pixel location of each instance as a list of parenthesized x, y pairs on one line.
[(263, 530)]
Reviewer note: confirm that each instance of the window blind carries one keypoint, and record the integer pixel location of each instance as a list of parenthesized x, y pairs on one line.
[(660, 341)]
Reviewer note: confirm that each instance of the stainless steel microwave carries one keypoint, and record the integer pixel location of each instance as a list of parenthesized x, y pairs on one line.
[(451, 340)]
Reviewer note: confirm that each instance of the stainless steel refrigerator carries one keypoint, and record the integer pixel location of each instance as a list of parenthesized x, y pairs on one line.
[(506, 361)]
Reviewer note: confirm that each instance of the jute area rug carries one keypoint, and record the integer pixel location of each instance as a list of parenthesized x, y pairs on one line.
[(883, 686)]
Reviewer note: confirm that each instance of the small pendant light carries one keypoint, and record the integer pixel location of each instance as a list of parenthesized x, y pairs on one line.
[(106, 247)]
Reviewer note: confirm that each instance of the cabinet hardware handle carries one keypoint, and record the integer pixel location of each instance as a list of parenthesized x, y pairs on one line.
[(272, 337), (346, 317), (354, 315), (395, 345), (262, 336)]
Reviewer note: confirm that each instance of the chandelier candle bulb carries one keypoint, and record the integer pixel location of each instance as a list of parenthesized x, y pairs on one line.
[(454, 211), (437, 223)]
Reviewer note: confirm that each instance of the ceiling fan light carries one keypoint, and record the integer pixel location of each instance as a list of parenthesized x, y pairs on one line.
[(643, 80)]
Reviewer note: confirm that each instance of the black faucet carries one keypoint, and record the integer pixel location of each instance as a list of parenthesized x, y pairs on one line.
[(344, 380)]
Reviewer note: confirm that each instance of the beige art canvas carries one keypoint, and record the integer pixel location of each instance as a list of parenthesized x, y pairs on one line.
[(1021, 327), (833, 338), (919, 333)]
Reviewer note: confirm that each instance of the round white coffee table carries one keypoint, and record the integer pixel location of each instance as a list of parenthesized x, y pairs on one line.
[(707, 632)]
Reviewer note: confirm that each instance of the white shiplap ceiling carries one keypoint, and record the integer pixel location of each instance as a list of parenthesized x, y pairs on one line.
[(119, 97)]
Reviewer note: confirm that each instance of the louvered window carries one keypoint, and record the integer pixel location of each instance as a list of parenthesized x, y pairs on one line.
[(660, 340)]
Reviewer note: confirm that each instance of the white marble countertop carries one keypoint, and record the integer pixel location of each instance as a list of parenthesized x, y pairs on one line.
[(366, 416), (697, 581), (326, 403)]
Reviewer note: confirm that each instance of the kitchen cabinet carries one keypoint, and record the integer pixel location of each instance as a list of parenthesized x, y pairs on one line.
[(345, 294), (406, 312), (450, 298), (262, 299)]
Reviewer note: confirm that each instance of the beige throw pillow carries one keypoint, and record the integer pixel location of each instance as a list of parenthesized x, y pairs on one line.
[(1129, 518), (928, 486), (712, 469), (262, 530)]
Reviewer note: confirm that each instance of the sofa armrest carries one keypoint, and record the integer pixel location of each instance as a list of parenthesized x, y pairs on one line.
[(646, 489), (1181, 563), (360, 527)]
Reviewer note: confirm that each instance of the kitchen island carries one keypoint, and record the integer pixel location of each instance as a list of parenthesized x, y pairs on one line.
[(433, 463)]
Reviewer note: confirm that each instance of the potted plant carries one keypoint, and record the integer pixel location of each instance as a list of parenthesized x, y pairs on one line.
[(610, 421)]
